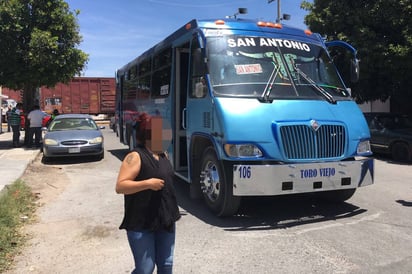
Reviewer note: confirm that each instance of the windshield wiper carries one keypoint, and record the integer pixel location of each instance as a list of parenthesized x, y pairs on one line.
[(342, 91), (318, 88), (269, 84)]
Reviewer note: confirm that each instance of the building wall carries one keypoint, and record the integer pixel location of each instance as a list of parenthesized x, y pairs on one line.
[(375, 106)]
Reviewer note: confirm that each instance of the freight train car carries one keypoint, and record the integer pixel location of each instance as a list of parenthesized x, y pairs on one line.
[(89, 95)]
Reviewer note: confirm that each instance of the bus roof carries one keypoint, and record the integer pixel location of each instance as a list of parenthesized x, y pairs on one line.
[(251, 25), (228, 24)]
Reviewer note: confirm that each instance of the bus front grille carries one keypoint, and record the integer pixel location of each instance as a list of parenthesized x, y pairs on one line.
[(303, 142)]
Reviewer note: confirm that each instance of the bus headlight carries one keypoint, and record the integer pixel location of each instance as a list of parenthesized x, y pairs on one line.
[(364, 148), (242, 150)]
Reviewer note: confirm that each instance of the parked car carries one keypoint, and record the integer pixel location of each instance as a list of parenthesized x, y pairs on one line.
[(73, 135), (46, 120), (23, 117), (391, 134)]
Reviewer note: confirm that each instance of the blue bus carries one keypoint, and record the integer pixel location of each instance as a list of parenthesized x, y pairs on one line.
[(248, 108)]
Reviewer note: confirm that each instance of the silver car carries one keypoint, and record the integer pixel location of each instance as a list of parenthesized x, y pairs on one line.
[(73, 135)]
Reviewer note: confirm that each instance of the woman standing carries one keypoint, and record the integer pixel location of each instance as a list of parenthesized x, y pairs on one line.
[(151, 210)]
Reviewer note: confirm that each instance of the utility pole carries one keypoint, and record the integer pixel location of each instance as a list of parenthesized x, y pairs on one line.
[(278, 16)]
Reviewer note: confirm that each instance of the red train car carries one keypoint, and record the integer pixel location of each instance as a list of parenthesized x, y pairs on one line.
[(89, 95)]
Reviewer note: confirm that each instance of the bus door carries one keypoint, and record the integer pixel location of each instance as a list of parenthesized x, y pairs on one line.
[(181, 80), (198, 114)]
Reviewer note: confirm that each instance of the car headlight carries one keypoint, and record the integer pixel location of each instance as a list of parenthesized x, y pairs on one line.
[(97, 140), (242, 150), (50, 142), (364, 148)]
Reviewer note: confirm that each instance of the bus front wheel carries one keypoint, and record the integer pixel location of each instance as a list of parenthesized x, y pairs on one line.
[(217, 191)]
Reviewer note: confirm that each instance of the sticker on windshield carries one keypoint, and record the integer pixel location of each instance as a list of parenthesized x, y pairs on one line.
[(164, 90), (248, 69), (266, 42)]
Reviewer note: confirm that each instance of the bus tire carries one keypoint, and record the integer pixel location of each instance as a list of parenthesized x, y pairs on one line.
[(337, 196), (217, 191)]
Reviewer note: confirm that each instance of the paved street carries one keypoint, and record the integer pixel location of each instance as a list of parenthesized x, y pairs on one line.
[(78, 231)]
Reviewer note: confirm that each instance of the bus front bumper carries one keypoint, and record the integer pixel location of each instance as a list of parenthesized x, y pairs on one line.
[(268, 180)]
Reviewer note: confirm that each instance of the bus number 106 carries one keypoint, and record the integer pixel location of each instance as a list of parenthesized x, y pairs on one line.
[(245, 172)]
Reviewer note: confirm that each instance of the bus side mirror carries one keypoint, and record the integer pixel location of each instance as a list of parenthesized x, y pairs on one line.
[(354, 70), (354, 62)]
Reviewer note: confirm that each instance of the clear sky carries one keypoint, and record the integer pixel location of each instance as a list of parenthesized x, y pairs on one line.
[(116, 31)]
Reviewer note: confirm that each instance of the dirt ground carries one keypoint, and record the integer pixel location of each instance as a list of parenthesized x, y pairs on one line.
[(46, 188), (76, 227)]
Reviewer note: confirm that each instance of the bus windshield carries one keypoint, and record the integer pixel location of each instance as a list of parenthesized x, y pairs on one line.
[(272, 68)]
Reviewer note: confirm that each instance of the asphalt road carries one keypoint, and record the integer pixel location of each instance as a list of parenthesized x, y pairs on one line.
[(77, 231)]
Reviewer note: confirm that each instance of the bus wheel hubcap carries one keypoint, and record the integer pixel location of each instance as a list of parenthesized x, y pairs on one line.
[(211, 181)]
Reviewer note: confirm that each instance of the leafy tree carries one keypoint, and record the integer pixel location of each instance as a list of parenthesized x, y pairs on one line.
[(381, 30), (38, 45)]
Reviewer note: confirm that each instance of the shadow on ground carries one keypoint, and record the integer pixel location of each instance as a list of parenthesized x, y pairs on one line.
[(265, 213)]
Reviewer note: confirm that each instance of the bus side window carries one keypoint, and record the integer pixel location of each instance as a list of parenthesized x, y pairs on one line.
[(198, 72)]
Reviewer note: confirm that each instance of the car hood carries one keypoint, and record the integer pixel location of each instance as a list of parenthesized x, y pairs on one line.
[(73, 134)]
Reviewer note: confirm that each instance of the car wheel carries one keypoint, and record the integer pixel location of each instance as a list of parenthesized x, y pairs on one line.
[(45, 159), (100, 156), (217, 191), (400, 152)]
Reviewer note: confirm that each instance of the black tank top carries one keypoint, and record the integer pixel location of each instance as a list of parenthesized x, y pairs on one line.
[(148, 209)]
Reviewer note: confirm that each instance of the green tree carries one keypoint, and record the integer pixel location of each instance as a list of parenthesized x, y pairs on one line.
[(381, 30), (38, 45)]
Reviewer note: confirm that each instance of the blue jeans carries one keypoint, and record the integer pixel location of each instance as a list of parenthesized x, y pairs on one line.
[(150, 249), (16, 134)]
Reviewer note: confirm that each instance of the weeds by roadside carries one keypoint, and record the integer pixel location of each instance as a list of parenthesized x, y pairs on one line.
[(16, 207)]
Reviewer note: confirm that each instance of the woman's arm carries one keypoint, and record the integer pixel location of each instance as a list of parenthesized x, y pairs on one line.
[(129, 170)]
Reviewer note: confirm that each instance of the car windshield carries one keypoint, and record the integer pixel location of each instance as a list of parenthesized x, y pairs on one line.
[(395, 122), (271, 68), (72, 124)]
